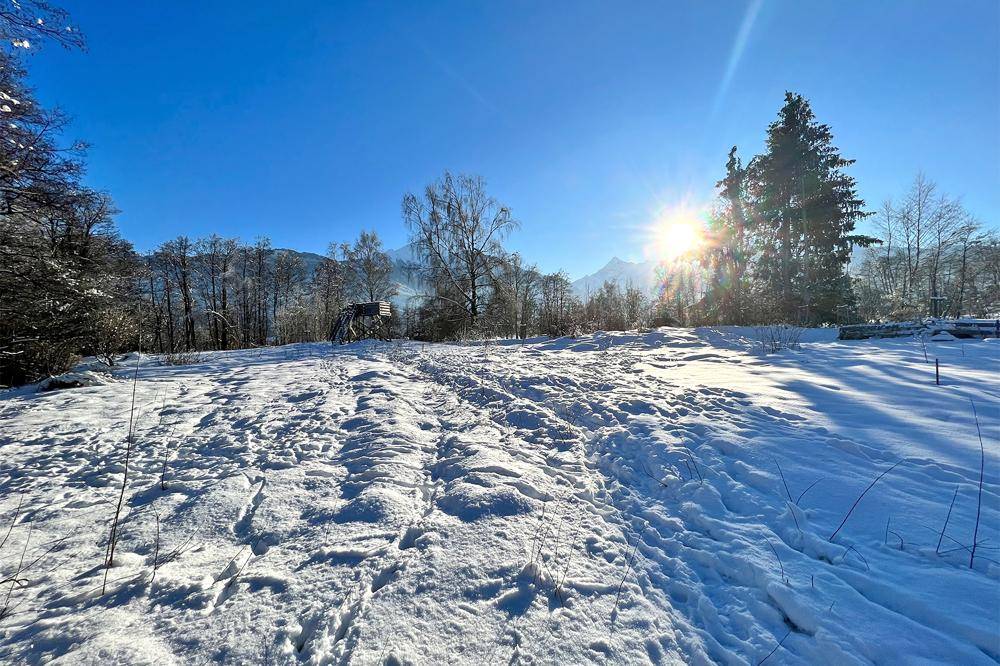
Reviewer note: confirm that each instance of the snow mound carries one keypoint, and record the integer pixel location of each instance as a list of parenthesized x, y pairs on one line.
[(472, 502), (77, 379), (378, 504)]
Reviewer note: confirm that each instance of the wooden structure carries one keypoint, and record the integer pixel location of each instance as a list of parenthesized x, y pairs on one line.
[(959, 328), (358, 321)]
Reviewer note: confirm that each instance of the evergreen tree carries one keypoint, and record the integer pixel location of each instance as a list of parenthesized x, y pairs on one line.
[(806, 209), (727, 253)]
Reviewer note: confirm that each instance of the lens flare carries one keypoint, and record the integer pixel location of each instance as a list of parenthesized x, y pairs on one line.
[(678, 234)]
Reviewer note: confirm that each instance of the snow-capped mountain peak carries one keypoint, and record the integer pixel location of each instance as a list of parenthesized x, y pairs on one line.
[(621, 272)]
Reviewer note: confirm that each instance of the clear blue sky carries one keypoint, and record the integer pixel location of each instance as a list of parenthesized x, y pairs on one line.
[(308, 121)]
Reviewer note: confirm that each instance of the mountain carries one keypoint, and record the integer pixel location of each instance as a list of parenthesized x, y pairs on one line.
[(310, 260), (624, 273), (406, 283), (405, 254)]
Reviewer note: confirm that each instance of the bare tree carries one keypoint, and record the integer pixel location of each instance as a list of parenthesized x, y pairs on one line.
[(327, 292), (515, 290), (557, 305), (368, 269), (261, 279), (457, 230), (215, 255), (179, 255), (25, 22), (933, 258)]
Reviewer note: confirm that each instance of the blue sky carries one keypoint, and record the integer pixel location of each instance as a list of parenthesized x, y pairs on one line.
[(307, 121)]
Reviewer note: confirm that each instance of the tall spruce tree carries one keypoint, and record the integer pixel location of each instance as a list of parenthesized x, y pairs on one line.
[(806, 209), (727, 254)]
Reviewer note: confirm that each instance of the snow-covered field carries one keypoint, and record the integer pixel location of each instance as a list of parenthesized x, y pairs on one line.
[(613, 498)]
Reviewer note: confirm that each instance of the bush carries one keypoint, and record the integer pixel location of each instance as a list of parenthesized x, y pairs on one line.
[(776, 337)]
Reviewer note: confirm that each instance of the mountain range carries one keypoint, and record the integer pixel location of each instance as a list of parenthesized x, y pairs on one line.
[(641, 275), (623, 273)]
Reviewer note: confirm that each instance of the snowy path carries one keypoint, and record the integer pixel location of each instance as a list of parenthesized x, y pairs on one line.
[(611, 499)]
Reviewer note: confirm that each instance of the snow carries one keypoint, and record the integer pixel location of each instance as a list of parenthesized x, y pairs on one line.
[(613, 498), (75, 379)]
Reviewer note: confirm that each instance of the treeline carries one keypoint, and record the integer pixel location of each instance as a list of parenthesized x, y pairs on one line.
[(934, 257), (217, 293), (220, 293), (778, 247), (781, 240), (64, 272)]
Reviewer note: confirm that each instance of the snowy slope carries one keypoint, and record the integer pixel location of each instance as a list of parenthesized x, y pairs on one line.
[(613, 498)]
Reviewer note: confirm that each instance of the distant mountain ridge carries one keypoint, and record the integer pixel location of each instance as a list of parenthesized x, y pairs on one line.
[(641, 275), (406, 284)]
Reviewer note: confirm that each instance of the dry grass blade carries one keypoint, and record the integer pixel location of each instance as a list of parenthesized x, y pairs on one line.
[(857, 501), (775, 648), (803, 493), (982, 469), (628, 566), (944, 529), (783, 482), (15, 580), (113, 538), (17, 512), (778, 557)]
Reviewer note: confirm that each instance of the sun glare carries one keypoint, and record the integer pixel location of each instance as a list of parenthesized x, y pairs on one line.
[(677, 235)]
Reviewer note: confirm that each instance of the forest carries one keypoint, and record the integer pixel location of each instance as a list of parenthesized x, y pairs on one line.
[(782, 246)]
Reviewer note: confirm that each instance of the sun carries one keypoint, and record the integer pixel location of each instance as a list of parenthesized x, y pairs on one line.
[(678, 234)]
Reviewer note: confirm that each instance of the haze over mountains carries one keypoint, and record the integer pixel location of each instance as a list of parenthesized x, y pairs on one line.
[(641, 275), (624, 273)]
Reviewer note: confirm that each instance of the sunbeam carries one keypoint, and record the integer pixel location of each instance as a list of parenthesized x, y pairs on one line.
[(736, 55)]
